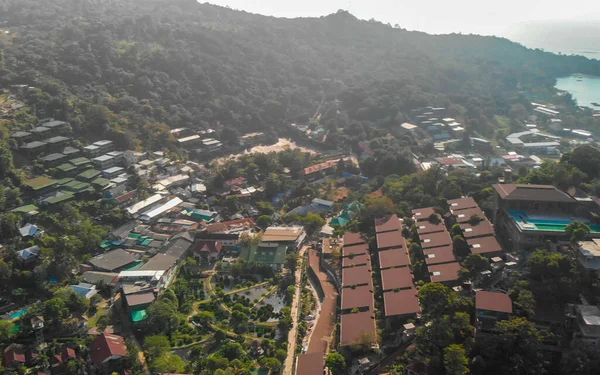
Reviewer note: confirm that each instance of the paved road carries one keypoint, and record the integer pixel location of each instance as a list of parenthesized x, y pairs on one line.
[(291, 350)]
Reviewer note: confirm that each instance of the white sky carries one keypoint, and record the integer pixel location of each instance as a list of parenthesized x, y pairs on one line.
[(489, 17)]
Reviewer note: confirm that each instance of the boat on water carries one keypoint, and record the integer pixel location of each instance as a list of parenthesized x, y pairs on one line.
[(579, 80), (595, 104)]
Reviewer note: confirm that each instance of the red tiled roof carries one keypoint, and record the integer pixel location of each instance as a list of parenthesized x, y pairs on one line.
[(310, 364), (208, 246), (425, 227), (351, 238), (484, 245), (388, 240), (402, 302), (396, 278), (319, 167), (450, 161), (461, 204), (439, 255), (463, 216), (393, 258), (236, 181), (393, 223), (355, 249), (14, 353), (423, 213), (493, 301), (360, 296), (482, 229), (356, 260), (354, 326), (127, 196), (106, 346), (358, 275), (432, 240), (447, 272), (247, 221)]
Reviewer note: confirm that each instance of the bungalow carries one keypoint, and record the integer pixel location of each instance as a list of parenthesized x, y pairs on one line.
[(29, 255), (16, 356), (22, 137), (106, 348), (490, 308), (53, 160), (85, 290), (41, 132), (34, 148), (59, 363)]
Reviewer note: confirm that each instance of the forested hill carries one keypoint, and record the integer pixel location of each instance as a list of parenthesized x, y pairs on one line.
[(130, 69)]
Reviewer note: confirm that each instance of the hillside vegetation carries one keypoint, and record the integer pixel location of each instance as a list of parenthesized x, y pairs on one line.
[(129, 70)]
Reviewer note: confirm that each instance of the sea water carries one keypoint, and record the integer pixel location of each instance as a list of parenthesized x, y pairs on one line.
[(584, 89)]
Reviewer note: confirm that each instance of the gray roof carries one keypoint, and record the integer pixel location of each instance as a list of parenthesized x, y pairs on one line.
[(94, 277), (53, 157), (53, 124), (39, 129), (177, 248), (34, 144), (160, 262), (57, 139), (112, 260), (20, 134)]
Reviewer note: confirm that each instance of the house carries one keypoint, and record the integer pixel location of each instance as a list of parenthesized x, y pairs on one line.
[(356, 328), (16, 355), (107, 347), (201, 215), (160, 210), (84, 290), (240, 181), (531, 215), (319, 170), (113, 261), (310, 364), (322, 204), (178, 246), (60, 361), (588, 254), (141, 205), (29, 255), (96, 277), (22, 137), (446, 273), (123, 231), (403, 304), (30, 230), (292, 237), (490, 307), (104, 161), (34, 148), (137, 303), (270, 253), (357, 298), (208, 251), (587, 323), (105, 146)]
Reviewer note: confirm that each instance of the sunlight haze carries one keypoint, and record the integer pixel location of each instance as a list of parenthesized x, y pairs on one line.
[(437, 17)]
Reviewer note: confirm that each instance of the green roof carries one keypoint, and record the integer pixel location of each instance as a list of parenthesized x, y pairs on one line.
[(138, 316), (102, 182), (134, 235), (264, 253), (59, 199), (64, 181), (341, 221), (66, 167), (26, 209), (80, 161), (89, 174), (77, 185), (39, 183)]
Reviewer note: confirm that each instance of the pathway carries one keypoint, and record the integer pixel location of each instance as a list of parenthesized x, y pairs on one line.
[(291, 350), (321, 339)]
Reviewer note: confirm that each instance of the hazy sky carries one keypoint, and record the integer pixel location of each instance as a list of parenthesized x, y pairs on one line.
[(432, 16)]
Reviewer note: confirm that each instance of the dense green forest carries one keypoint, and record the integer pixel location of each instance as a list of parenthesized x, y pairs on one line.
[(130, 69)]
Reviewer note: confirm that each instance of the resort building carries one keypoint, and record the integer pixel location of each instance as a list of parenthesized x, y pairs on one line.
[(531, 215)]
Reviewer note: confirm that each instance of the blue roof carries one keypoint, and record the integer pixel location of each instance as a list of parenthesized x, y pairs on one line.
[(29, 252), (441, 136)]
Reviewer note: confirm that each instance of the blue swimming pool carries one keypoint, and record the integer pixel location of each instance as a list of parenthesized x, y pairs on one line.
[(546, 224), (18, 314)]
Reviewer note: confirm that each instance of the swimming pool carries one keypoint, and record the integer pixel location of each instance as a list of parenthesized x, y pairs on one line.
[(18, 314), (531, 222)]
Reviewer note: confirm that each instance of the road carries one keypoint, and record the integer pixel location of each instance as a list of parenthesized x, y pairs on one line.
[(291, 350)]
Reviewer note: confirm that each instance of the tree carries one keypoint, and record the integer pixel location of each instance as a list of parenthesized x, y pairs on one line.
[(336, 363), (270, 363), (168, 363), (6, 330), (291, 260), (476, 263), (455, 360), (577, 231), (435, 298), (162, 318), (263, 221), (156, 345), (461, 247)]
